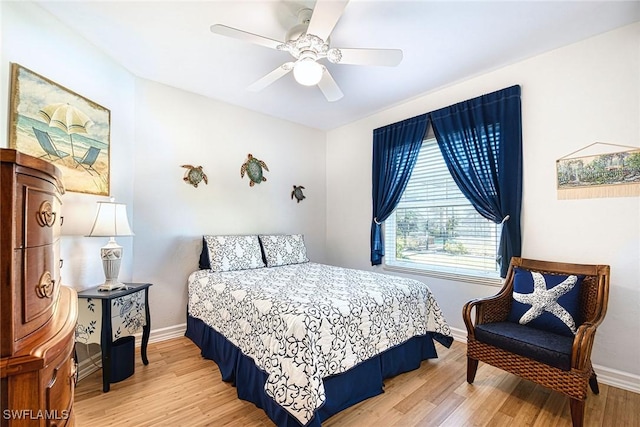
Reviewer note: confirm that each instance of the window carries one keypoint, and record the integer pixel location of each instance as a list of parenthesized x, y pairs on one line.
[(435, 228)]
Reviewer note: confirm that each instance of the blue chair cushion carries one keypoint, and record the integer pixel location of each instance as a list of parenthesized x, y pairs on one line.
[(546, 301), (545, 347)]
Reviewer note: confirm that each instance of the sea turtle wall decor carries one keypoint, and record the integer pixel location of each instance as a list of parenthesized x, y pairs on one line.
[(297, 193), (194, 175), (253, 168)]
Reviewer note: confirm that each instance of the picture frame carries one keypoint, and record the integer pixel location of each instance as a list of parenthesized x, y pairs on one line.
[(49, 121), (603, 173)]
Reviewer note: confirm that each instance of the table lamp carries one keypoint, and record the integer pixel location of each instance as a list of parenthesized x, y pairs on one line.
[(111, 221)]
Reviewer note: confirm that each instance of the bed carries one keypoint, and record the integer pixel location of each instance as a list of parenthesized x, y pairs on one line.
[(303, 340)]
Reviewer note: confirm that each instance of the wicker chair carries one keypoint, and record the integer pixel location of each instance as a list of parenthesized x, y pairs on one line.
[(570, 379)]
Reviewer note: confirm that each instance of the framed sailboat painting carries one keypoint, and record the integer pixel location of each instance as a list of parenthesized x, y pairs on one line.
[(51, 122)]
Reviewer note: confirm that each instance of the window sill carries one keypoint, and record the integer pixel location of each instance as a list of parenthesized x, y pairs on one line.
[(457, 277)]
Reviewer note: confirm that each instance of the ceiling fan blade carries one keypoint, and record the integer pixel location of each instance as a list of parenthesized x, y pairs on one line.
[(325, 17), (329, 87), (265, 81), (383, 57), (235, 33)]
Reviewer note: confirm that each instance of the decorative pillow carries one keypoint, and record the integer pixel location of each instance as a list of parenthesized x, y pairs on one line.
[(546, 301), (284, 249), (227, 253)]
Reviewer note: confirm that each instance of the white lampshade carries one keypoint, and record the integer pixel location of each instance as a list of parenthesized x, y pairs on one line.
[(307, 72), (111, 220)]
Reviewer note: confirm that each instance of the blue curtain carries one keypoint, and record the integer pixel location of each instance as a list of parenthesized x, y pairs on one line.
[(395, 151), (481, 142)]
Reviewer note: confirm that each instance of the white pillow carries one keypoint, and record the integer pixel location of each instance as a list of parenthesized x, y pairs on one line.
[(228, 253), (284, 249)]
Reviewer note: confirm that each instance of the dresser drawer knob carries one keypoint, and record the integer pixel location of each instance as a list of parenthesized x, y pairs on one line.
[(46, 217), (44, 289)]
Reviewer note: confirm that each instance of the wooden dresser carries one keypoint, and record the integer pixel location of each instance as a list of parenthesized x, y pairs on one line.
[(38, 316)]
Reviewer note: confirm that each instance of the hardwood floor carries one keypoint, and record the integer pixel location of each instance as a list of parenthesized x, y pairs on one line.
[(179, 388)]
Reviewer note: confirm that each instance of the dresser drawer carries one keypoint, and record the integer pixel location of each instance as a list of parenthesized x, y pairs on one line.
[(37, 315), (59, 379), (40, 220), (37, 288)]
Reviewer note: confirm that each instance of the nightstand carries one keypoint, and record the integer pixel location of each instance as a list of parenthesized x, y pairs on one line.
[(132, 305)]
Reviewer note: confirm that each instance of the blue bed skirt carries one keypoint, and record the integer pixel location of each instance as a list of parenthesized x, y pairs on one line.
[(341, 391)]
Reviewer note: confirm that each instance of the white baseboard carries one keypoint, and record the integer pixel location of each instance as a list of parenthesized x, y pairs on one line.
[(86, 370), (618, 379), (93, 363), (608, 376), (163, 334), (459, 334)]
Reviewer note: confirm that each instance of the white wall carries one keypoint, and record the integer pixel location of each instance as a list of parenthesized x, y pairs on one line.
[(174, 128), (36, 40), (154, 130), (571, 97)]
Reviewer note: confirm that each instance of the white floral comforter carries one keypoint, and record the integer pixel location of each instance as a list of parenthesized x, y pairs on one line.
[(303, 322)]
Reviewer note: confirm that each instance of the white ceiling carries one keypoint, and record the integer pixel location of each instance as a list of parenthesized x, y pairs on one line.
[(443, 42)]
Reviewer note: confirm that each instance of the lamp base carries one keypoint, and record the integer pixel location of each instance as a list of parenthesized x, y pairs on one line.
[(111, 255), (107, 287)]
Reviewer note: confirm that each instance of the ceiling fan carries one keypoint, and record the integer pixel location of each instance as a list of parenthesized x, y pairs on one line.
[(308, 42)]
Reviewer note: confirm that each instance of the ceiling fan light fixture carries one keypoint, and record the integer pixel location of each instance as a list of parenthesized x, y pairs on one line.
[(307, 72), (308, 42)]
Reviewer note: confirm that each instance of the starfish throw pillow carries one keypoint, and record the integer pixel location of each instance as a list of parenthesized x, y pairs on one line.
[(546, 301)]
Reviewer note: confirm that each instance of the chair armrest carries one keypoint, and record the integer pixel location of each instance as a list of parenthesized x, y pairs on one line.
[(582, 345), (488, 310), (585, 335)]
